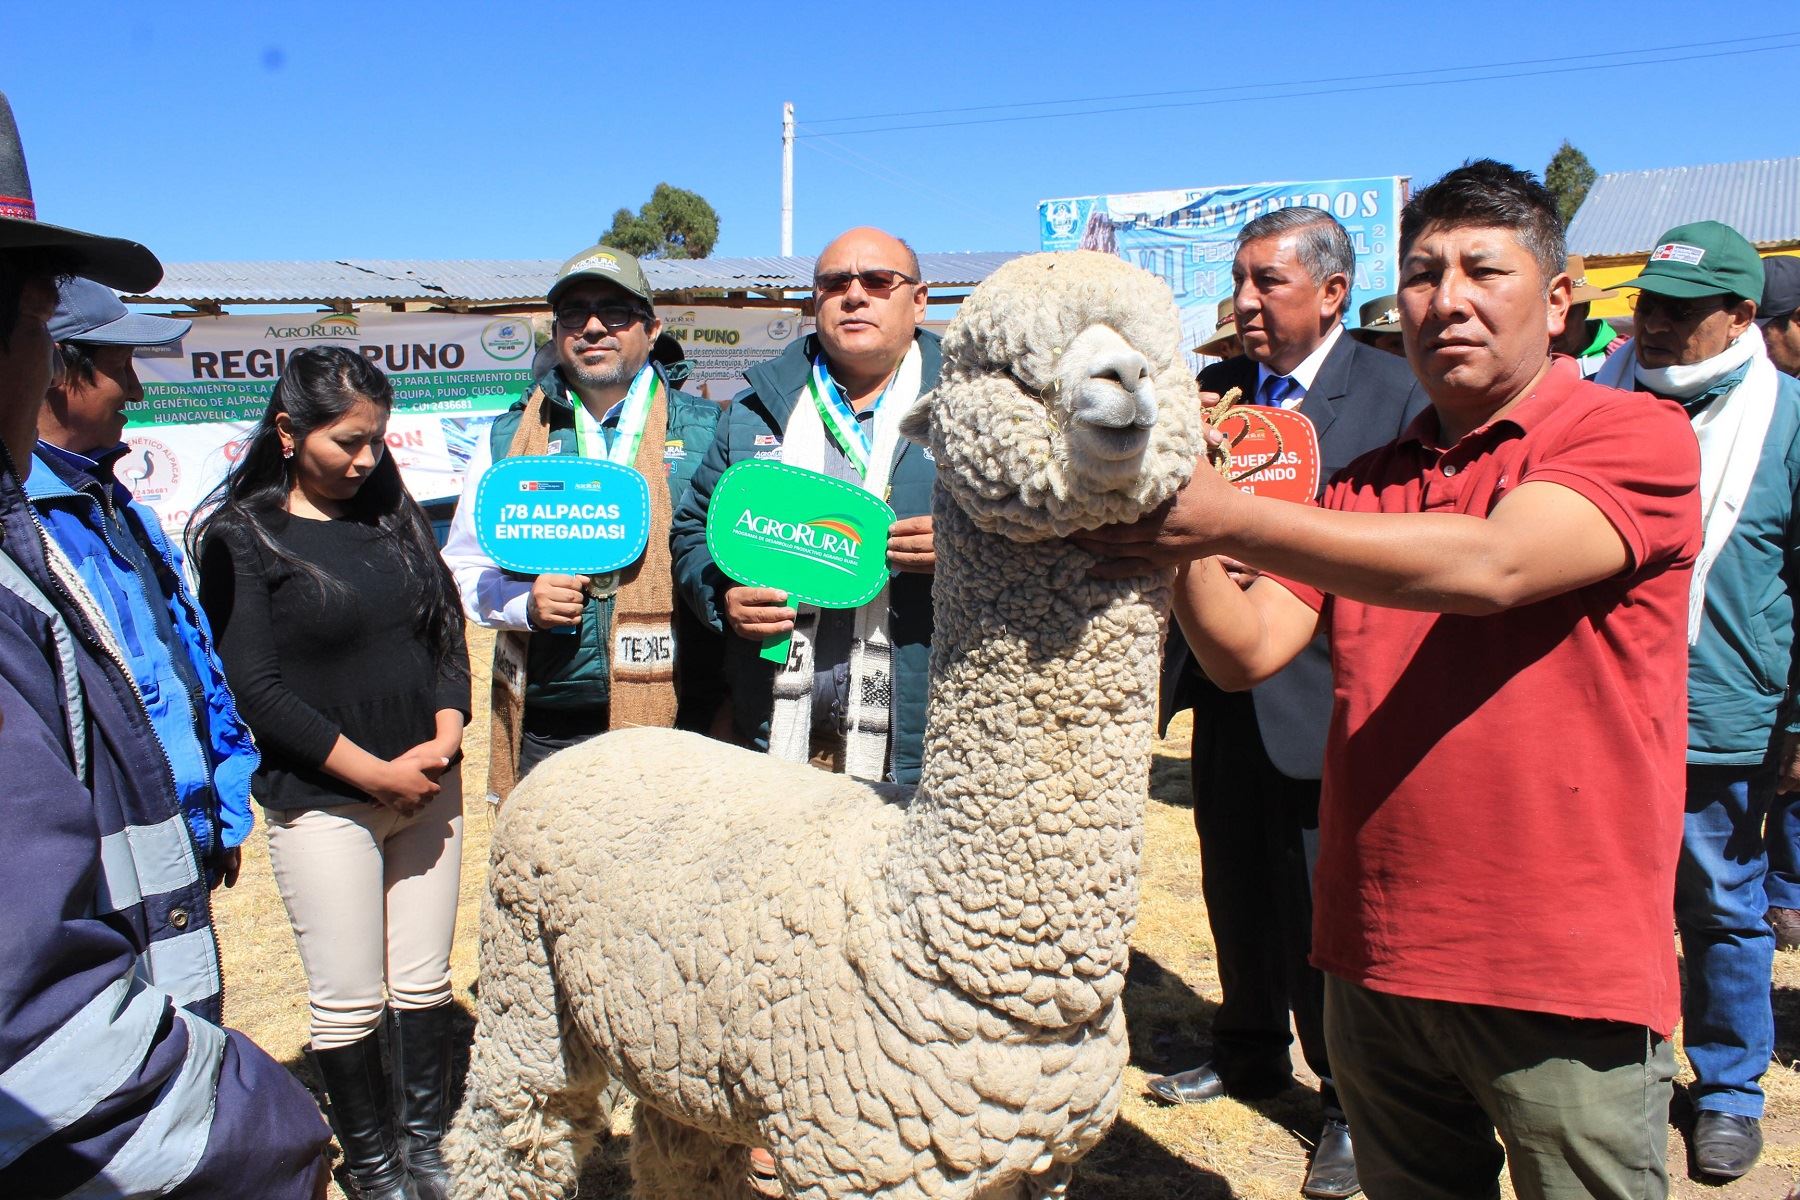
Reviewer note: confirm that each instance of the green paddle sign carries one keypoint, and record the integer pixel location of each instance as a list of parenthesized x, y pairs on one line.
[(821, 540)]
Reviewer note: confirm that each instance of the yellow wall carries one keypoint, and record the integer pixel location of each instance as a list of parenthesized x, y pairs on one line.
[(1610, 272)]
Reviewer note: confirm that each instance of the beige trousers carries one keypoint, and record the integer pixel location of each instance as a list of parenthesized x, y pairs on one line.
[(372, 899)]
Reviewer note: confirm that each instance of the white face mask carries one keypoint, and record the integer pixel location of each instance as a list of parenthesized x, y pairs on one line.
[(1686, 382)]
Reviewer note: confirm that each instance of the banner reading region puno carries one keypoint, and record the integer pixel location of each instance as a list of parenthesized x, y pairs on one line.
[(1186, 235), (452, 374)]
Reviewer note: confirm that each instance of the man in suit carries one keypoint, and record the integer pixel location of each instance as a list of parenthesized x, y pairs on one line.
[(1258, 755)]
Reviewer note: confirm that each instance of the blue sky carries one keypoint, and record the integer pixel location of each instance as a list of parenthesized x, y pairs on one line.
[(463, 130)]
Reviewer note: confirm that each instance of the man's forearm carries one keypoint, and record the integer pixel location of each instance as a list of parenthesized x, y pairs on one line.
[(1428, 562), (1224, 626)]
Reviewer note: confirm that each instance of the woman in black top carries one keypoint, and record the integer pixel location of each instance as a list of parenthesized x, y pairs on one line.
[(342, 638)]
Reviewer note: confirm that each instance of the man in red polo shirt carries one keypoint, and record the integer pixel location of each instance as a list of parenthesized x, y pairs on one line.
[(1506, 591)]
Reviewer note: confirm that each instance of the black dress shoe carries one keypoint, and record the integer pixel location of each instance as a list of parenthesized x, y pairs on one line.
[(1331, 1175), (1202, 1083), (1724, 1144)]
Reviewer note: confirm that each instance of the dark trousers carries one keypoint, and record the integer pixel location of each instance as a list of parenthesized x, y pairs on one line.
[(545, 731), (1258, 889), (1581, 1107)]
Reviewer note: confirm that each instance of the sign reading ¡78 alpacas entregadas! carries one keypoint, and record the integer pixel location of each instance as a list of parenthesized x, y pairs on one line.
[(562, 514), (819, 539)]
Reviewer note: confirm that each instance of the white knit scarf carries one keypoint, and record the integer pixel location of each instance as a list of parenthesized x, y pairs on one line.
[(1731, 431), (869, 722)]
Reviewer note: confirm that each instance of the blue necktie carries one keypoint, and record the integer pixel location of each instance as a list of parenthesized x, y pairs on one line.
[(1275, 390)]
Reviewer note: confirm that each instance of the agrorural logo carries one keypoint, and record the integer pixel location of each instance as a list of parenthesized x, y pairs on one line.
[(508, 338), (830, 541), (335, 327)]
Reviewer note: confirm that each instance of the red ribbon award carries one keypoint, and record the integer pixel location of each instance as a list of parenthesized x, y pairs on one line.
[(1268, 451)]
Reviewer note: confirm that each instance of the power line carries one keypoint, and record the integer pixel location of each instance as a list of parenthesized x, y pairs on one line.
[(1377, 87), (1521, 62), (883, 173)]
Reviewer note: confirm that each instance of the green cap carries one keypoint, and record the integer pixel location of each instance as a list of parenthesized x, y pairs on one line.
[(1702, 259), (611, 265)]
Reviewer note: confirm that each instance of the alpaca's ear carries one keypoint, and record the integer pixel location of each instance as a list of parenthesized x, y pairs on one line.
[(915, 426)]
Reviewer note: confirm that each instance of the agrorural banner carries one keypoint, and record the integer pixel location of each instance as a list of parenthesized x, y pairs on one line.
[(452, 374)]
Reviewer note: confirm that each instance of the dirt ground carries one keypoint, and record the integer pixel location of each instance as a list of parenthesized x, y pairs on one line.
[(1206, 1152)]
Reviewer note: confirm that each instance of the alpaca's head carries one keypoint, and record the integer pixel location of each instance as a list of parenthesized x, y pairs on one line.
[(1065, 402)]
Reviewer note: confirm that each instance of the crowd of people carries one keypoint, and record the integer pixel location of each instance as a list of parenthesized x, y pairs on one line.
[(1469, 734)]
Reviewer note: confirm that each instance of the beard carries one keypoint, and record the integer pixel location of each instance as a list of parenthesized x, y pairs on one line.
[(617, 375)]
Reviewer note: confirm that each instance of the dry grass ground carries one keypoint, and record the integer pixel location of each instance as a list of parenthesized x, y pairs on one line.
[(1223, 1149)]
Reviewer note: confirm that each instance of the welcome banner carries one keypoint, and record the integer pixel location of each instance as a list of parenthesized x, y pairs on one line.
[(1187, 235)]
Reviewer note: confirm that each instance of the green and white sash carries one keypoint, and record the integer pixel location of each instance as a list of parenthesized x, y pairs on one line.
[(821, 411), (630, 414), (629, 417)]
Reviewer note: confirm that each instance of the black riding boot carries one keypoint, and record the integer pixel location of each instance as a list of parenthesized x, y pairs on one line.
[(360, 1117), (419, 1041)]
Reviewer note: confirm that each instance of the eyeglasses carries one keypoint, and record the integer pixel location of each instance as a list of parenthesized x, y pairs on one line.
[(573, 318), (876, 283), (1678, 312)]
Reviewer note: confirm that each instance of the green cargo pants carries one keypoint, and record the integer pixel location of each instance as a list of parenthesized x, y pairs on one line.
[(1581, 1106)]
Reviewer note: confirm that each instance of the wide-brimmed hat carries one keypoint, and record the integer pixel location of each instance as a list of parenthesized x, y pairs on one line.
[(1706, 258), (112, 261), (1380, 315), (88, 312), (1224, 329), (1575, 267)]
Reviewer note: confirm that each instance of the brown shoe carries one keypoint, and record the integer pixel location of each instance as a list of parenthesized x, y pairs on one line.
[(1786, 924)]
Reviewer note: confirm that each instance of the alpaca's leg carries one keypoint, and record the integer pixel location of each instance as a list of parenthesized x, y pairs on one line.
[(1048, 1185), (532, 1108), (1051, 1185), (672, 1161)]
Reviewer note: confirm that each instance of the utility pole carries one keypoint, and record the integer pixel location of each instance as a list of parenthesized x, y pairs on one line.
[(787, 179)]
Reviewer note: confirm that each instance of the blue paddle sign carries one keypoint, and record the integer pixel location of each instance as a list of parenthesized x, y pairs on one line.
[(562, 514)]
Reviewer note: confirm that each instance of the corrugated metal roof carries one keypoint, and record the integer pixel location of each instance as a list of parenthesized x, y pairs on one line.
[(499, 281), (1624, 213)]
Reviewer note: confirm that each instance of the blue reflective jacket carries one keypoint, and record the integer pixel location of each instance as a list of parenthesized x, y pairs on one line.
[(115, 1076), (137, 577)]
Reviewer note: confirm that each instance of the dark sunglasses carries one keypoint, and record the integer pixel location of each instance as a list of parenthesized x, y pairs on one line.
[(573, 318), (876, 283), (1679, 312)]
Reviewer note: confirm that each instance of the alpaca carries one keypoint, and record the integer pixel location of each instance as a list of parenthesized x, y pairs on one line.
[(896, 999)]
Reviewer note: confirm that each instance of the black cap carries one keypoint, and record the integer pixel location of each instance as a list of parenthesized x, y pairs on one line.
[(1781, 287), (115, 262)]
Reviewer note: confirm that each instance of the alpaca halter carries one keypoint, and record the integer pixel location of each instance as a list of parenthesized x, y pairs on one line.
[(1220, 456)]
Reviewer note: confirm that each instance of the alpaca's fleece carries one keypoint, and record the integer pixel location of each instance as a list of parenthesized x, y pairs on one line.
[(1000, 418), (751, 986), (902, 1000)]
